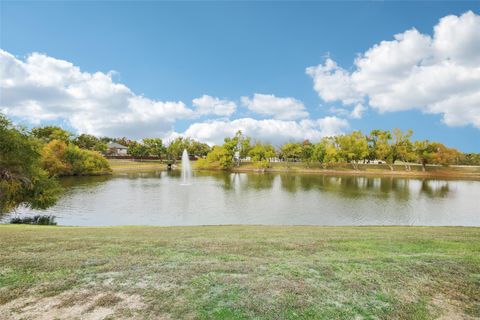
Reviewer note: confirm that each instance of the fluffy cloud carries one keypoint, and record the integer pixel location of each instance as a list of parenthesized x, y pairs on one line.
[(437, 74), (279, 108), (356, 113), (212, 105), (43, 88), (271, 130)]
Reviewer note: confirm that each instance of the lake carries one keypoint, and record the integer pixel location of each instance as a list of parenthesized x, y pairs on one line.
[(214, 198)]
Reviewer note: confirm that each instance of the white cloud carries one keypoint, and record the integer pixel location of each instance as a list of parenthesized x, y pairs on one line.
[(436, 74), (270, 130), (356, 113), (211, 105), (43, 88), (279, 108), (333, 83)]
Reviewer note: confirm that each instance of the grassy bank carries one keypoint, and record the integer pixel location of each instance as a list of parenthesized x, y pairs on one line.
[(240, 272), (451, 172), (122, 165)]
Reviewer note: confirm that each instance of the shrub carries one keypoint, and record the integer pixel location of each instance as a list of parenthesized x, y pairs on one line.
[(43, 220), (62, 159)]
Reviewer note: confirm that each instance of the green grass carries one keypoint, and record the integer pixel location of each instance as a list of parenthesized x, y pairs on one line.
[(468, 172), (125, 165), (240, 272)]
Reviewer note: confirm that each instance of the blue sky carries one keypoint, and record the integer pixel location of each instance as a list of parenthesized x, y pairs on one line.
[(179, 51)]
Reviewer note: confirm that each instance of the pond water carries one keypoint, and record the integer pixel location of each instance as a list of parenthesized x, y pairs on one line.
[(213, 198)]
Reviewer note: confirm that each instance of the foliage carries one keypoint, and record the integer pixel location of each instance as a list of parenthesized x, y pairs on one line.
[(237, 146), (123, 141), (353, 147), (262, 164), (291, 151), (137, 150), (221, 157), (175, 148), (42, 220), (424, 151), (445, 156), (154, 147), (382, 147), (86, 162), (49, 133), (22, 179), (261, 152), (326, 152), (307, 151), (90, 142), (62, 159), (198, 149), (53, 158), (470, 159)]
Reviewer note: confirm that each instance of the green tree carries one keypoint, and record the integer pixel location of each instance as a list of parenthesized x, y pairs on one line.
[(85, 162), (403, 146), (62, 159), (53, 158), (219, 156), (90, 142), (137, 150), (470, 159), (261, 154), (199, 149), (238, 145), (22, 179), (326, 152), (49, 133), (353, 147), (175, 148), (291, 151), (446, 156), (261, 151), (425, 152), (307, 152), (383, 148), (155, 147)]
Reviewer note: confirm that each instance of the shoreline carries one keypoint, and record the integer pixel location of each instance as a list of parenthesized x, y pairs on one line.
[(443, 173), (383, 173), (458, 172)]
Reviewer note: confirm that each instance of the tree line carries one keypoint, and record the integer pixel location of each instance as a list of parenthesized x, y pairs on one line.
[(387, 146)]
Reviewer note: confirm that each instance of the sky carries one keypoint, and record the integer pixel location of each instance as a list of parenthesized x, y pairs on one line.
[(278, 71)]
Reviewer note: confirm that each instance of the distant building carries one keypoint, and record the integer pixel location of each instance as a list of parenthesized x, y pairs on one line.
[(116, 149)]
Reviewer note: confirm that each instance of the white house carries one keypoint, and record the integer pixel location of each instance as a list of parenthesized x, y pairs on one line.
[(116, 149)]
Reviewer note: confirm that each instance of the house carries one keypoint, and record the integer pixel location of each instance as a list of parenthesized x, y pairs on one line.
[(116, 149)]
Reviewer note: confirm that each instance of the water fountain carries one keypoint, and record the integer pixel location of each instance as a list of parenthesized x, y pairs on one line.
[(186, 170)]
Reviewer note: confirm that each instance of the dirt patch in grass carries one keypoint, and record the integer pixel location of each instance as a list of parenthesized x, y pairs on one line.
[(83, 304), (449, 309)]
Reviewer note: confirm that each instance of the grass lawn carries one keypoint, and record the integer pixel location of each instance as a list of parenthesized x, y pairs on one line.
[(239, 272), (126, 165)]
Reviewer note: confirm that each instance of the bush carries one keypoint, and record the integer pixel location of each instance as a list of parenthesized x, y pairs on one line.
[(62, 159), (43, 220), (262, 164)]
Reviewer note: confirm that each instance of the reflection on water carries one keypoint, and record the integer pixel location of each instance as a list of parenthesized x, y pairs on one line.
[(156, 198)]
